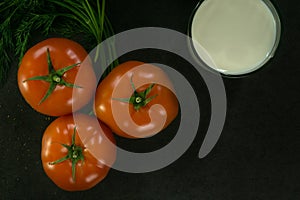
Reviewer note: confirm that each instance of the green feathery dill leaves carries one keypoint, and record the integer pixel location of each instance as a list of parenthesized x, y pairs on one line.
[(30, 23), (22, 19)]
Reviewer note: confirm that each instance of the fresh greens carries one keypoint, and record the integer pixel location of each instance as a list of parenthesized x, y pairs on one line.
[(22, 20)]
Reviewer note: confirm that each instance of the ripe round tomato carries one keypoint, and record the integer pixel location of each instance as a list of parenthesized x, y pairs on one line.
[(136, 100), (47, 74), (77, 151)]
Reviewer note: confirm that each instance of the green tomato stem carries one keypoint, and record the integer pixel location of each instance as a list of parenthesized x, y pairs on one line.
[(138, 99), (54, 77), (75, 154)]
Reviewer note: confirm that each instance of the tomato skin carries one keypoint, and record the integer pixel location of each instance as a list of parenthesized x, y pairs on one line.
[(63, 100), (91, 171), (118, 85)]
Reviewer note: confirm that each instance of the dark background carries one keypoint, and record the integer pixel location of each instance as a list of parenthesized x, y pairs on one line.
[(257, 156)]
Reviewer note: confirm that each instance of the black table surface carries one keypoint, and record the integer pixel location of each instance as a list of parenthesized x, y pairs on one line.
[(256, 157)]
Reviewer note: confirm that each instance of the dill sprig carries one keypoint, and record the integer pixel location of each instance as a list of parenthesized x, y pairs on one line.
[(22, 20), (31, 22)]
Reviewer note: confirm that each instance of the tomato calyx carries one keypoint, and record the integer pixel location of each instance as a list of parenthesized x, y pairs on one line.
[(54, 77), (138, 99), (75, 154)]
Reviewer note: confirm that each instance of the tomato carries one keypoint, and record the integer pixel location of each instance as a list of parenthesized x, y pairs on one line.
[(47, 74), (77, 151), (136, 100)]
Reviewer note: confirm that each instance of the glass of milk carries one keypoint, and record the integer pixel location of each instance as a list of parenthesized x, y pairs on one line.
[(234, 37)]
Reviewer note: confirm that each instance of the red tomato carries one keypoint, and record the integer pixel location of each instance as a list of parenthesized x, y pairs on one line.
[(89, 146), (136, 100), (47, 74)]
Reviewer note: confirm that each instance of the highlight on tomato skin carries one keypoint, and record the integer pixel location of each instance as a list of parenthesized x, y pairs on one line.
[(136, 100), (47, 74), (77, 152)]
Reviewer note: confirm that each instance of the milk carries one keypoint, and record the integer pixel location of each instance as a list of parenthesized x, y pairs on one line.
[(234, 36)]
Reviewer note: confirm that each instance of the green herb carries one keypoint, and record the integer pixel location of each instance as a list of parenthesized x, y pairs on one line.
[(22, 20)]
